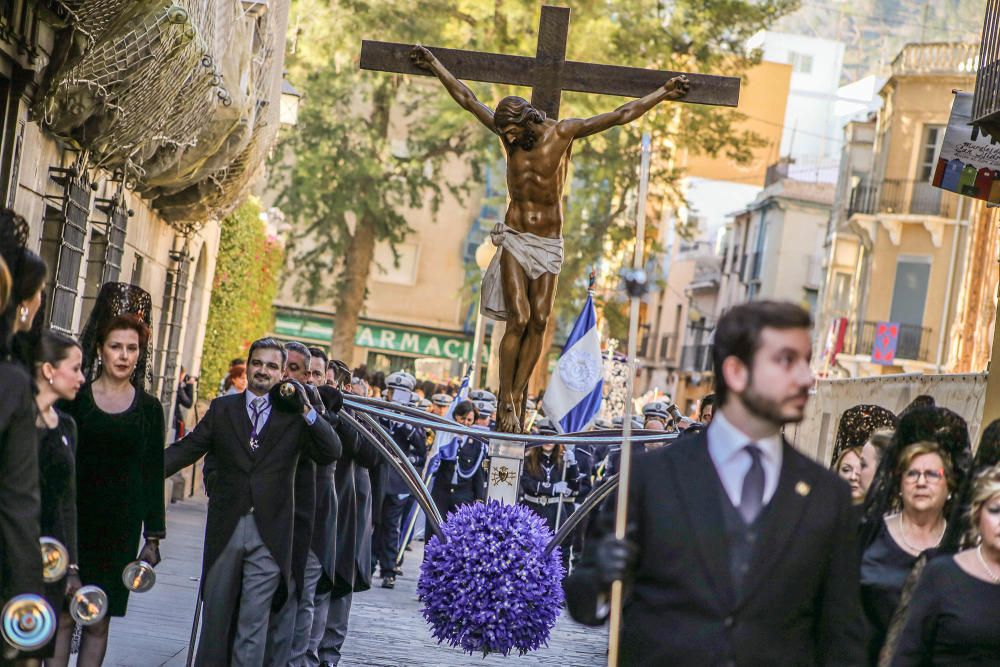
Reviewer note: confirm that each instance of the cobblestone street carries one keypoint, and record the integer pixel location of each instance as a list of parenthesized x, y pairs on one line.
[(386, 627)]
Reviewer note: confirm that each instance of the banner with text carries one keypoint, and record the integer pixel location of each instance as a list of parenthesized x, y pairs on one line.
[(969, 162), (380, 337)]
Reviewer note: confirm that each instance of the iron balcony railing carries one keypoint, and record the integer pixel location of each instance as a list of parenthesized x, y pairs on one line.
[(912, 344), (986, 102), (905, 197)]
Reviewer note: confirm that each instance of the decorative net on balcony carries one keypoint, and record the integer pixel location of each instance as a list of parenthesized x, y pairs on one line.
[(172, 92)]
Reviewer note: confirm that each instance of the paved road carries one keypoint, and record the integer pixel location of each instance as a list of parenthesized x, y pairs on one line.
[(386, 627)]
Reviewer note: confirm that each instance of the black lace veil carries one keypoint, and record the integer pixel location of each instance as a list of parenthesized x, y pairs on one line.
[(857, 424), (113, 300)]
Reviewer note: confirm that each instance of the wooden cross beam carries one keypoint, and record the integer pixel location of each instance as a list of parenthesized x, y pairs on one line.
[(549, 73)]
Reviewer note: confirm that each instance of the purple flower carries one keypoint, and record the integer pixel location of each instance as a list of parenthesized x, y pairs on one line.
[(490, 588)]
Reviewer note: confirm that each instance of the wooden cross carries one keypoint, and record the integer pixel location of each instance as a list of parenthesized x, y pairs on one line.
[(549, 73)]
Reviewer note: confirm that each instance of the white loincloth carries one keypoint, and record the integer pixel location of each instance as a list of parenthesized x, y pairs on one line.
[(536, 255)]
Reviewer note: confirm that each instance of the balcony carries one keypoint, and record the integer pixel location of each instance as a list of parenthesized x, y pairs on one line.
[(696, 358), (986, 103), (937, 58), (901, 197), (911, 346)]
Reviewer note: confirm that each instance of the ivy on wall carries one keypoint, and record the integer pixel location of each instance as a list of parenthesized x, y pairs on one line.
[(246, 282)]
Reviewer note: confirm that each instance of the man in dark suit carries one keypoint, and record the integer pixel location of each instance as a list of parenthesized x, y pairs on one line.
[(392, 488), (248, 536), (741, 551)]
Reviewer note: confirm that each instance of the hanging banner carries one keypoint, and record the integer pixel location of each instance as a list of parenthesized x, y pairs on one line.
[(884, 345), (969, 162)]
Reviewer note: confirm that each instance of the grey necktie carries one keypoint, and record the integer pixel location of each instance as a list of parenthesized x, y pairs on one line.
[(257, 405), (752, 495)]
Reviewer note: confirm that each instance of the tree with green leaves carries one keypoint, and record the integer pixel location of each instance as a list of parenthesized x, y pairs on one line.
[(349, 183), (246, 280)]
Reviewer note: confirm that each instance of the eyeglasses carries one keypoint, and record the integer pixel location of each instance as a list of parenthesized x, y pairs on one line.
[(932, 476)]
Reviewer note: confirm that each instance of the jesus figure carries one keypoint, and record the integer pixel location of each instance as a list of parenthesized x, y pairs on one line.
[(520, 283)]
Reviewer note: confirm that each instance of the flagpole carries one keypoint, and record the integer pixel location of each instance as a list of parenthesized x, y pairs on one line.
[(635, 283)]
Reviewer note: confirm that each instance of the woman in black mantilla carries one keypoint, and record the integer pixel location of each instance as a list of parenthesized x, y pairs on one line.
[(856, 426), (913, 614), (119, 453), (58, 362), (22, 277), (905, 509)]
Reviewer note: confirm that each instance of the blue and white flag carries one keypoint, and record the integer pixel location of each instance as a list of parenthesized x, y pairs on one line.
[(573, 397), (445, 445)]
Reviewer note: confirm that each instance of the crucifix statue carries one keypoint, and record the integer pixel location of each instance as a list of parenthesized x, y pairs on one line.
[(519, 286)]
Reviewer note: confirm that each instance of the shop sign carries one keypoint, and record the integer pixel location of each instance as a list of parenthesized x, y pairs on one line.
[(377, 337)]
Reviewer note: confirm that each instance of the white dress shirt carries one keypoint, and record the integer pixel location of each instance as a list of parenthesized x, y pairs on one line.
[(726, 447)]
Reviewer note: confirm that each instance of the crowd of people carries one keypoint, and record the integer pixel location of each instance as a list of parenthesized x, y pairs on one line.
[(753, 554), (748, 551)]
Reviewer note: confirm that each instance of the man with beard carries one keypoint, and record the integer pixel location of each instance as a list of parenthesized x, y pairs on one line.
[(740, 545), (520, 283), (256, 447)]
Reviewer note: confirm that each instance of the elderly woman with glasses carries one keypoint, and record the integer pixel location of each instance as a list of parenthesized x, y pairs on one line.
[(924, 475), (952, 618)]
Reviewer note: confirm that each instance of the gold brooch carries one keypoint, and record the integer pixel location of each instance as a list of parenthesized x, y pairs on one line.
[(802, 488)]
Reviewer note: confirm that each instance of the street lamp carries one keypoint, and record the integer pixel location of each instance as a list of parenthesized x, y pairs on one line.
[(484, 255)]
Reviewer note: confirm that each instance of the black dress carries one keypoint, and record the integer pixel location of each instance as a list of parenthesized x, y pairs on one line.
[(119, 475), (954, 619), (57, 482), (884, 569)]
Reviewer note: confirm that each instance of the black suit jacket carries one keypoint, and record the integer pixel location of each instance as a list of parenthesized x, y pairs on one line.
[(243, 480), (20, 502), (800, 603)]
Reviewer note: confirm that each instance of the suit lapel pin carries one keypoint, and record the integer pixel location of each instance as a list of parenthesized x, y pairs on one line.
[(802, 489)]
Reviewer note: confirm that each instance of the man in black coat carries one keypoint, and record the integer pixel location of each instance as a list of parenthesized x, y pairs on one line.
[(352, 571), (248, 535), (741, 551), (315, 526), (392, 488)]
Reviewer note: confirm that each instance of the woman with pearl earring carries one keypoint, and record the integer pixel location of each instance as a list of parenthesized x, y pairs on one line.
[(22, 277), (119, 462)]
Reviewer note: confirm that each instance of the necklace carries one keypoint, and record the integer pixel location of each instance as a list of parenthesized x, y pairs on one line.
[(993, 575), (906, 543)]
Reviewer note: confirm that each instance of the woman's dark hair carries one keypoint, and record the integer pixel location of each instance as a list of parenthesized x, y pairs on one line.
[(125, 322), (464, 408), (428, 387), (27, 274), (266, 343), (53, 347), (533, 459), (738, 334), (378, 380)]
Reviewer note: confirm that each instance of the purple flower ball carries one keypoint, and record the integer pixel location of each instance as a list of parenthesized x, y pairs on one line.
[(490, 588)]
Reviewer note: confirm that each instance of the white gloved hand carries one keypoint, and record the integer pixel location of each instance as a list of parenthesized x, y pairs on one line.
[(569, 456), (561, 489)]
